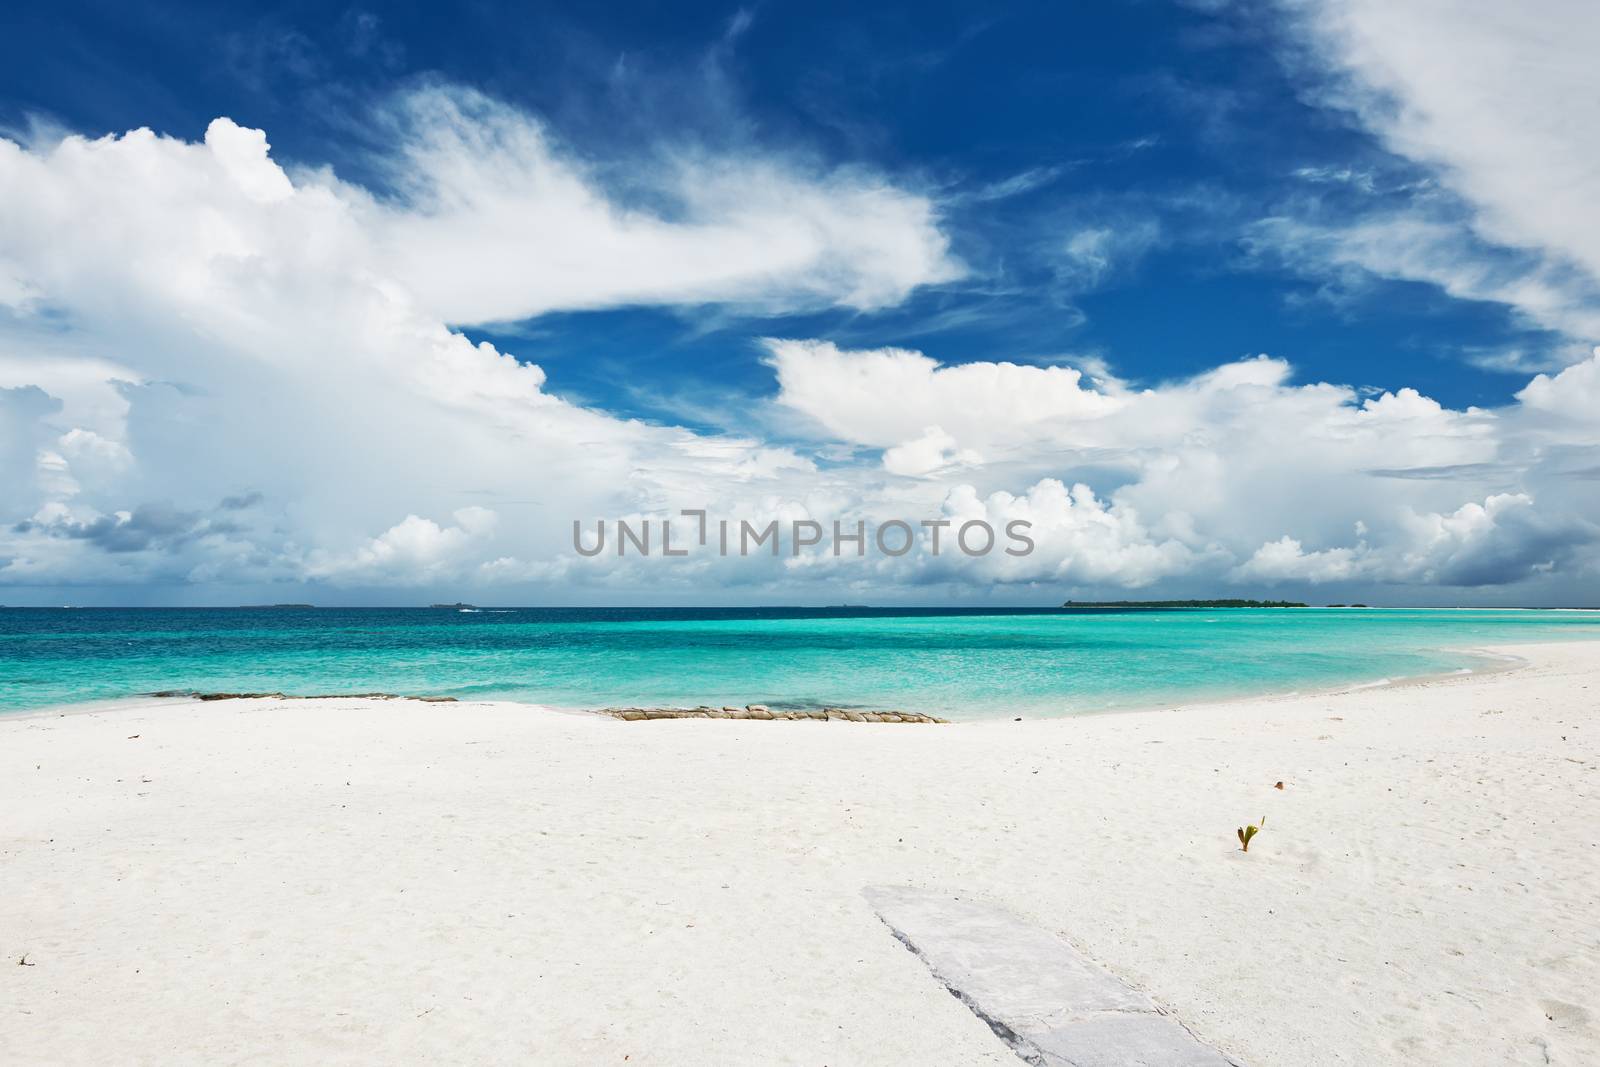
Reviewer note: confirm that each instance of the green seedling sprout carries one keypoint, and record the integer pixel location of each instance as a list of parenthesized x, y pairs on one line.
[(1247, 832)]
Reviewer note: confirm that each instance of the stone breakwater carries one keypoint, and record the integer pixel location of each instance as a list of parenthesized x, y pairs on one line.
[(761, 711), (704, 711)]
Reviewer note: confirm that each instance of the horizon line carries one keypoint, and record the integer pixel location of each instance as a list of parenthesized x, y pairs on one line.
[(1174, 605)]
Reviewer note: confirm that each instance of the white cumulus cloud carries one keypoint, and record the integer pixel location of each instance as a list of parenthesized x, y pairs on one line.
[(217, 371), (496, 221)]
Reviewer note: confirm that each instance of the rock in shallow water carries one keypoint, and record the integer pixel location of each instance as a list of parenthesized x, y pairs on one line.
[(764, 713)]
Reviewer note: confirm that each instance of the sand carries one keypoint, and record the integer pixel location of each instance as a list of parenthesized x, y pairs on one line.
[(348, 881)]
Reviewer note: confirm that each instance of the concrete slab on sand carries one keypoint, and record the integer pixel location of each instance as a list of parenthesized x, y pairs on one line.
[(1035, 991)]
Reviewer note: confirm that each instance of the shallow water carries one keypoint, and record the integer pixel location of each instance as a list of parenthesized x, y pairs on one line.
[(964, 664)]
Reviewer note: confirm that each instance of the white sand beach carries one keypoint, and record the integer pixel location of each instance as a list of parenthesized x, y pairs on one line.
[(351, 881)]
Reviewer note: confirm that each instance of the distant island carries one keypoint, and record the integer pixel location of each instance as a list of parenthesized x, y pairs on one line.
[(1183, 604)]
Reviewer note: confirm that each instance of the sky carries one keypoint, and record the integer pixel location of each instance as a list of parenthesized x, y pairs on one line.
[(369, 304)]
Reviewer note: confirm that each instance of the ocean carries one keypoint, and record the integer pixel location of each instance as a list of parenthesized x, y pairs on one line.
[(955, 663)]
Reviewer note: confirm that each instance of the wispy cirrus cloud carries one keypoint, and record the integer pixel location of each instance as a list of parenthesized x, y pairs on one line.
[(1492, 104)]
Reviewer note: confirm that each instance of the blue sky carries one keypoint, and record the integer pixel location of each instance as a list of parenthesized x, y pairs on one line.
[(1142, 191), (1029, 120)]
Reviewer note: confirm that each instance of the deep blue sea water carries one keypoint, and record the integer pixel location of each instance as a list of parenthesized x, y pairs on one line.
[(963, 664)]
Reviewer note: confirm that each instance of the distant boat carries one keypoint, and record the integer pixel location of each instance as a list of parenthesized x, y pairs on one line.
[(455, 607)]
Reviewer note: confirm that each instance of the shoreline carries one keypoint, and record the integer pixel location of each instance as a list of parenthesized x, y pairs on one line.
[(1498, 658), (351, 880)]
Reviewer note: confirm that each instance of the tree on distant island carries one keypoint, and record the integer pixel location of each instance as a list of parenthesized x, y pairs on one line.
[(1183, 604)]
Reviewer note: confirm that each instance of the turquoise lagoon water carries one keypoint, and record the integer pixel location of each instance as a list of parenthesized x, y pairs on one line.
[(964, 664)]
